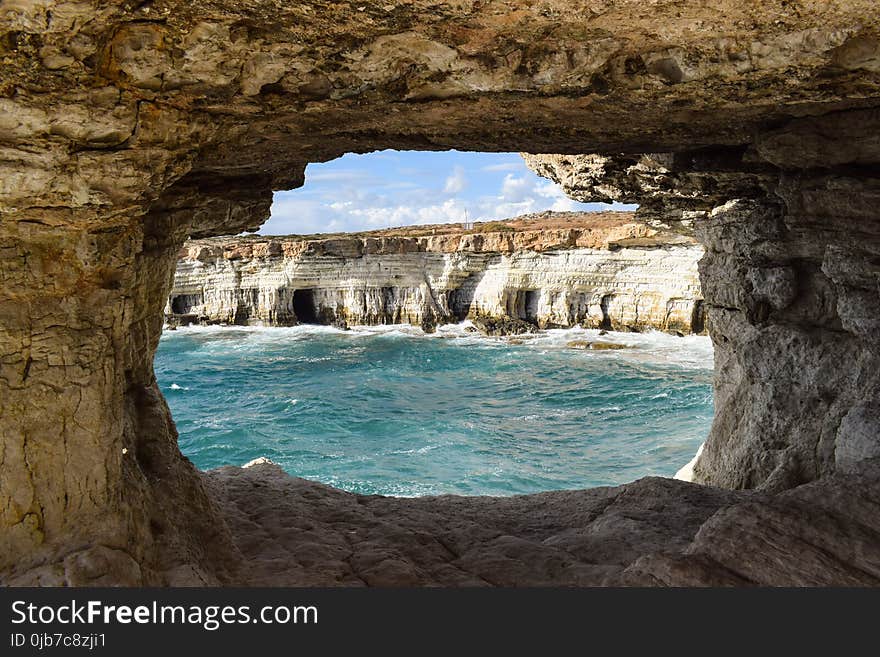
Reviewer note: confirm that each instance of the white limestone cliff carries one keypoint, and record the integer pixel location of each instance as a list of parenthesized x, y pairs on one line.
[(615, 278)]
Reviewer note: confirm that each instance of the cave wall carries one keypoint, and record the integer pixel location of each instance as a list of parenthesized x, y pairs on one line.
[(92, 473), (125, 129), (790, 276), (794, 305)]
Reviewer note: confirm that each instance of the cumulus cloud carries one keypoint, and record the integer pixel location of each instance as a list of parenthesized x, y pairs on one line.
[(554, 194), (292, 215), (449, 211), (515, 188), (456, 182)]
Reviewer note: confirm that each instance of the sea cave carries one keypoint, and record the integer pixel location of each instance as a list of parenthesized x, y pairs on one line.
[(751, 130)]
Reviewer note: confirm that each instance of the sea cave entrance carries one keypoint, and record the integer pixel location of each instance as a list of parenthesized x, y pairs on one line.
[(304, 306), (530, 305)]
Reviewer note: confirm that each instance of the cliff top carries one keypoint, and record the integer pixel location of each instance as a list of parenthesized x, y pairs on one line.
[(535, 221), (544, 231)]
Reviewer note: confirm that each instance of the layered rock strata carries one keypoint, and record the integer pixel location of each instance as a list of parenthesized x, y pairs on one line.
[(602, 272), (126, 128)]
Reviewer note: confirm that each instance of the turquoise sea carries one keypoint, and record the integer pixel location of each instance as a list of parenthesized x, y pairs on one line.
[(393, 411)]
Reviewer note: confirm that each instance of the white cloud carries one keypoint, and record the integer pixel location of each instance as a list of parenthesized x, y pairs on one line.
[(553, 192), (451, 210), (506, 210), (563, 205), (293, 215), (503, 166), (456, 182), (353, 199), (515, 188), (548, 189)]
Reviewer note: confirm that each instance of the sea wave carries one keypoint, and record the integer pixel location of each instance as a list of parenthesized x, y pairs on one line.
[(395, 411), (655, 347)]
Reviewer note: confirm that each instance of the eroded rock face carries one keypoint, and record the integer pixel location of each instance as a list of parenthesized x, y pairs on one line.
[(606, 271), (672, 190), (791, 284), (125, 129), (652, 532)]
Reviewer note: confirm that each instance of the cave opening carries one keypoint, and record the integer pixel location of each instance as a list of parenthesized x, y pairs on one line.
[(428, 244), (460, 299), (607, 310), (181, 304), (530, 305), (605, 307), (753, 129), (304, 306)]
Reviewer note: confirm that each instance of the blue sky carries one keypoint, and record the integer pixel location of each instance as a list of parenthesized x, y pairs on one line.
[(399, 188)]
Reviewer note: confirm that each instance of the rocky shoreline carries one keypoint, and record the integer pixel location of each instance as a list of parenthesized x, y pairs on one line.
[(554, 270)]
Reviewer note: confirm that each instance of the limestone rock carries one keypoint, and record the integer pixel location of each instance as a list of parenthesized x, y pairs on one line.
[(790, 285), (672, 189), (502, 326), (127, 128), (584, 272), (294, 532)]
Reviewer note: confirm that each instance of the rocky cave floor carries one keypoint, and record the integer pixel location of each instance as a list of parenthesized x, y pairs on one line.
[(655, 531)]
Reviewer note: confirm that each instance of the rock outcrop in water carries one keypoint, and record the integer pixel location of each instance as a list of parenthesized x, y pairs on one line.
[(598, 271), (127, 128)]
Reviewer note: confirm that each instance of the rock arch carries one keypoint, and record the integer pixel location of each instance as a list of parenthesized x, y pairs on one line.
[(124, 130)]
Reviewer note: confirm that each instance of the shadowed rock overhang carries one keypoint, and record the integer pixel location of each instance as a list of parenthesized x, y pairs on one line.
[(126, 129)]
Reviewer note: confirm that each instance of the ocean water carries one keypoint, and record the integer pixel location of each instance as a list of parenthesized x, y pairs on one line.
[(393, 411)]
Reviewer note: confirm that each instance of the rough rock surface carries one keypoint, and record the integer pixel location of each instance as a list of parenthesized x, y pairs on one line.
[(502, 326), (126, 128), (294, 532), (602, 271), (790, 283)]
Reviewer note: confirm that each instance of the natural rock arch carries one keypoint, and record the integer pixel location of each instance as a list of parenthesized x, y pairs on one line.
[(125, 129)]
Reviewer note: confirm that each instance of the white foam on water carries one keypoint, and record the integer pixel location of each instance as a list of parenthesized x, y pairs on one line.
[(408, 489), (260, 460), (416, 450), (688, 352), (652, 347), (277, 332)]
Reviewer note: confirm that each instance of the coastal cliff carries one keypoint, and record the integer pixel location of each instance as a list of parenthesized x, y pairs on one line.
[(598, 270)]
